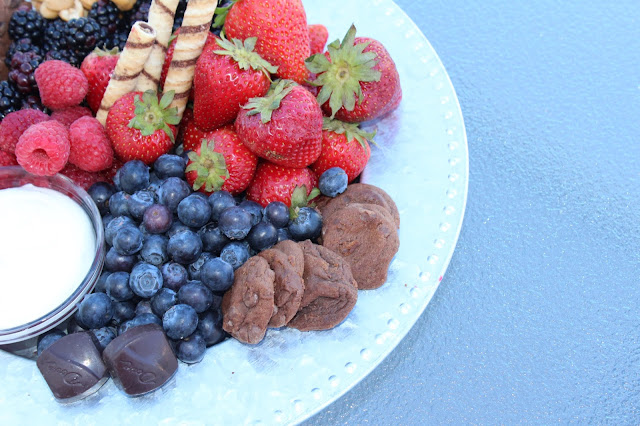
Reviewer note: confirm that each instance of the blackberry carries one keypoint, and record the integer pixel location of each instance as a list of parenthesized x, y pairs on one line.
[(139, 12), (63, 55), (54, 38), (10, 99), (177, 21), (33, 102), (107, 14), (26, 24), (83, 35), (117, 39), (22, 45), (22, 71)]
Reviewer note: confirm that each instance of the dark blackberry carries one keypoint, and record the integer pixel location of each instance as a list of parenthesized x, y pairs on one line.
[(22, 71), (83, 35), (54, 36), (63, 55), (118, 39), (177, 21), (22, 45), (26, 24), (139, 12), (10, 99), (33, 102), (107, 14)]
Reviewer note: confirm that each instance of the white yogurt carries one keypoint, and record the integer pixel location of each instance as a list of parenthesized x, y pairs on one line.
[(47, 245)]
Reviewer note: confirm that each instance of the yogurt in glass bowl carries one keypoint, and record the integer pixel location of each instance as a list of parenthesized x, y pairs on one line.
[(51, 253)]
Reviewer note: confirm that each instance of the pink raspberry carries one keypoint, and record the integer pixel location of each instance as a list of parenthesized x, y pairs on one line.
[(61, 85), (7, 159), (68, 115), (43, 149), (15, 123), (80, 177), (90, 146)]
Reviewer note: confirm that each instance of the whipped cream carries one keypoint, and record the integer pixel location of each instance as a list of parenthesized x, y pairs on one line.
[(47, 246)]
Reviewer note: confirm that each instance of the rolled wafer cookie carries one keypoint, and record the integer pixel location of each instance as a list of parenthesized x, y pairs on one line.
[(161, 16), (193, 34), (129, 66)]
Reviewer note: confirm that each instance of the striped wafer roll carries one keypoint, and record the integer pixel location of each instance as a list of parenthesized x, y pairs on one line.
[(129, 66), (193, 34), (161, 16)]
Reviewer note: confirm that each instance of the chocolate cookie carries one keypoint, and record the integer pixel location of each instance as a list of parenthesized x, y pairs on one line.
[(330, 291), (288, 286), (365, 236), (359, 193), (293, 250), (248, 305)]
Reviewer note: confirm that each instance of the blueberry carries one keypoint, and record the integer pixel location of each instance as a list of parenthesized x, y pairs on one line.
[(210, 325), (144, 307), (139, 202), (106, 220), (103, 336), (254, 209), (196, 295), (176, 227), (180, 321), (113, 261), (143, 319), (117, 286), (217, 274), (191, 350), (128, 240), (333, 182), (145, 279), (219, 202), (307, 226), (213, 240), (169, 165), (47, 339), (194, 268), (123, 311), (174, 275), (95, 310), (235, 223), (119, 204), (235, 254), (74, 325), (277, 213), (100, 193), (114, 226), (133, 176), (262, 236), (184, 247), (172, 191), (284, 234), (194, 211), (154, 249), (164, 299), (157, 219), (101, 284)]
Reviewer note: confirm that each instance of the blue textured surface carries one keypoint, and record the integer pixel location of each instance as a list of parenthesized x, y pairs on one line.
[(537, 319)]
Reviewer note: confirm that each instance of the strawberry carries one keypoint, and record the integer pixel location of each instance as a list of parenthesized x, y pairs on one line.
[(284, 127), (221, 162), (281, 29), (187, 117), (98, 66), (344, 145), (192, 136), (318, 36), (277, 183), (358, 79), (228, 74), (142, 128)]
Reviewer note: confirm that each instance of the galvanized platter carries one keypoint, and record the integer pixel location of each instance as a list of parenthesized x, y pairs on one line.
[(421, 161)]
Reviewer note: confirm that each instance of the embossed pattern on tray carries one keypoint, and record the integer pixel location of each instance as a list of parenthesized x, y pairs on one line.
[(421, 161)]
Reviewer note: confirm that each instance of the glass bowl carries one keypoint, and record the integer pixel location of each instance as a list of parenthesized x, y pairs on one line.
[(15, 176)]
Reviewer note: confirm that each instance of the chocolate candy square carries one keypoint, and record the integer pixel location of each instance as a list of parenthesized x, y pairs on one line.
[(140, 360), (72, 367)]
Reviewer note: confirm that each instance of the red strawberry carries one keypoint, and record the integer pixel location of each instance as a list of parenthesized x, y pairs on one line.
[(43, 149), (90, 146), (187, 117), (15, 123), (68, 115), (7, 159), (142, 128), (284, 127), (80, 177), (368, 85), (193, 136), (344, 145), (221, 162), (228, 74), (98, 66), (318, 36), (277, 183), (281, 29), (60, 85)]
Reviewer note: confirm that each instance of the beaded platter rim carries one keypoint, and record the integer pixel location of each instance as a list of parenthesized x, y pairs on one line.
[(422, 161)]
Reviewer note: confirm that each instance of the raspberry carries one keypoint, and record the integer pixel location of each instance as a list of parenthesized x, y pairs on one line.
[(80, 177), (15, 123), (68, 115), (43, 149), (90, 147), (61, 85), (7, 159), (110, 173)]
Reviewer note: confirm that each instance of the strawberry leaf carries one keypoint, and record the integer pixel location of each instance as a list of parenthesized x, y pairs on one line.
[(271, 101), (151, 115), (210, 167), (243, 54), (350, 130)]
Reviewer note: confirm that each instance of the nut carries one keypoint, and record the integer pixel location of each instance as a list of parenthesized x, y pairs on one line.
[(88, 3), (124, 5), (77, 11), (47, 13), (58, 5)]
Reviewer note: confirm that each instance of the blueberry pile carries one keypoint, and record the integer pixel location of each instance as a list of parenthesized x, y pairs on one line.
[(172, 253)]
